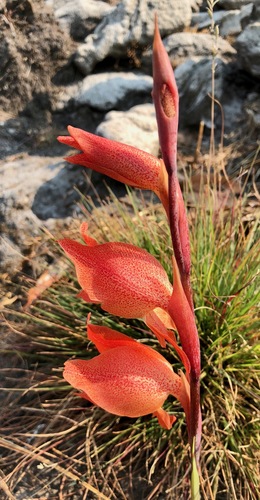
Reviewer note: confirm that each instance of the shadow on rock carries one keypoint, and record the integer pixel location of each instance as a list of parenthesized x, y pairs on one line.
[(57, 197)]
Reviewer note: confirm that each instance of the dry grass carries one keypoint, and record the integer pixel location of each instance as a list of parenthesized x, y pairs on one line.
[(56, 446)]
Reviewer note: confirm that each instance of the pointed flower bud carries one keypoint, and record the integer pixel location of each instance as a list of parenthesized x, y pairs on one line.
[(127, 378), (123, 163), (166, 101)]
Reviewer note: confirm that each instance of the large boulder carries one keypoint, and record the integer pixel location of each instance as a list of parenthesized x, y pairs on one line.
[(181, 46), (131, 26), (194, 80), (230, 23), (38, 185), (57, 197), (252, 109), (194, 83), (21, 178), (202, 20), (235, 21), (196, 46), (234, 4), (136, 127), (248, 49), (79, 17), (106, 91)]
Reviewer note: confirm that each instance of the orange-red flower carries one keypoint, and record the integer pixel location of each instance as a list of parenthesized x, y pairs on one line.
[(126, 280), (119, 161), (127, 378)]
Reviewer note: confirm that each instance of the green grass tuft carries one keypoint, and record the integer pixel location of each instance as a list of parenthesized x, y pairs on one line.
[(55, 445)]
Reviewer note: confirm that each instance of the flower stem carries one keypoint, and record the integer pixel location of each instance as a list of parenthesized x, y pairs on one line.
[(195, 479), (166, 101)]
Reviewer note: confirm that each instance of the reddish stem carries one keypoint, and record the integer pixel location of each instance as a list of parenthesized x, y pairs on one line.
[(184, 319), (166, 101)]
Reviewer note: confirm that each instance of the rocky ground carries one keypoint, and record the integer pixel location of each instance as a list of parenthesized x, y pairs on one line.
[(89, 64)]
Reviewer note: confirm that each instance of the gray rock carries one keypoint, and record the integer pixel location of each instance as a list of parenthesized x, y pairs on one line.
[(198, 18), (252, 109), (21, 177), (181, 46), (254, 14), (66, 96), (57, 197), (80, 17), (17, 225), (38, 186), (196, 5), (194, 84), (131, 24), (56, 4), (234, 22), (136, 127), (202, 20), (93, 9), (34, 188), (248, 49), (256, 11), (194, 81), (106, 91), (234, 4), (230, 22), (233, 108)]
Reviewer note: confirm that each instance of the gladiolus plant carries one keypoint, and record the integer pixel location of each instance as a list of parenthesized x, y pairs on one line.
[(128, 378)]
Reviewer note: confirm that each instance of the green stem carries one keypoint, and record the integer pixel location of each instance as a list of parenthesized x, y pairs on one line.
[(195, 479), (195, 414)]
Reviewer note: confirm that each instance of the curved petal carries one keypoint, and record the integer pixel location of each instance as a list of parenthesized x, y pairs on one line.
[(69, 141), (105, 338), (162, 334), (158, 321), (85, 236), (88, 298), (165, 420), (165, 318), (126, 280), (129, 380)]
